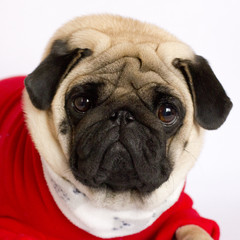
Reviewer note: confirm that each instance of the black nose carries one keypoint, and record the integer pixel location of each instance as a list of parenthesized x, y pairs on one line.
[(122, 117)]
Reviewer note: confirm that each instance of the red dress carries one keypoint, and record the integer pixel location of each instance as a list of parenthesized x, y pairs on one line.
[(27, 209)]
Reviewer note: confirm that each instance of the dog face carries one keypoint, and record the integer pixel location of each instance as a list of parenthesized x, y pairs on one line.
[(118, 107), (119, 133)]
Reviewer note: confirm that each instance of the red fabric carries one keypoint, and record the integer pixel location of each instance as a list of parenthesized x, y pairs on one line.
[(27, 209)]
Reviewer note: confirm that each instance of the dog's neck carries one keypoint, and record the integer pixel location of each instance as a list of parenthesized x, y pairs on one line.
[(101, 222)]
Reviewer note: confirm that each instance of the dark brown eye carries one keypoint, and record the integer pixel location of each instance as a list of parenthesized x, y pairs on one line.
[(168, 114), (82, 104)]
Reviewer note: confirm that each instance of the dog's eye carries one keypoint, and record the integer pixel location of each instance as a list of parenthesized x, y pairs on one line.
[(167, 113), (82, 104)]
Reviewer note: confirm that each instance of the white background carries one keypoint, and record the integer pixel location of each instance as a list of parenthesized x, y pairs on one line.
[(211, 27)]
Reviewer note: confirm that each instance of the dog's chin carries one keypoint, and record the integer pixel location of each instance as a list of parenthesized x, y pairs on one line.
[(118, 172)]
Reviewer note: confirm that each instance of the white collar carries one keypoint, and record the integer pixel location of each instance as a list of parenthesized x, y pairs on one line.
[(101, 222)]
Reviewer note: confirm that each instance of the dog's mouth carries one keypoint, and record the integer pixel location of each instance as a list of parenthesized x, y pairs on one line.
[(117, 169), (129, 158)]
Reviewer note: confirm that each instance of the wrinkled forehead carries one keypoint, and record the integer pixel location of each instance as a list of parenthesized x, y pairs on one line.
[(136, 60), (127, 66), (126, 59)]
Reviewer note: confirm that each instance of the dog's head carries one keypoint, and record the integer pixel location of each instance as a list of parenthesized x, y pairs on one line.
[(117, 107)]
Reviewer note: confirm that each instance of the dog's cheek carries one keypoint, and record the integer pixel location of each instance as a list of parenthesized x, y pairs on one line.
[(63, 127), (62, 132)]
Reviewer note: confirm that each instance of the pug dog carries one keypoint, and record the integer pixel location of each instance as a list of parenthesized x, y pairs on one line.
[(117, 111)]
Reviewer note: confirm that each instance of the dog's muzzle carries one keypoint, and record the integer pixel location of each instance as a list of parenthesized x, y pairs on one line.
[(122, 154)]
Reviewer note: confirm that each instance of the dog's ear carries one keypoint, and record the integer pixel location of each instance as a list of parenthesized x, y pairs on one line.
[(42, 83), (211, 103)]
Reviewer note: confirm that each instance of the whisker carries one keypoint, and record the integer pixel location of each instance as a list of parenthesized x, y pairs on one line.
[(192, 155), (67, 170)]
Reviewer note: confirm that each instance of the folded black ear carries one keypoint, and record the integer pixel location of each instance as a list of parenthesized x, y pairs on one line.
[(211, 103), (42, 83)]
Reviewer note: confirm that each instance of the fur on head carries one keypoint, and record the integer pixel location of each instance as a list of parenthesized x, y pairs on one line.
[(134, 61)]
